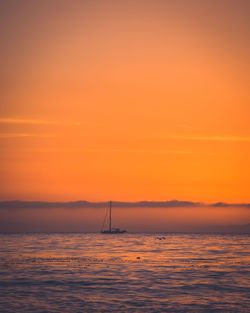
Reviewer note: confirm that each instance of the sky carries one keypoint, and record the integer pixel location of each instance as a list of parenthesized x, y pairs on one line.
[(125, 100)]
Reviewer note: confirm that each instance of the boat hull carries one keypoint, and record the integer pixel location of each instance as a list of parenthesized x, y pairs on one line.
[(113, 232)]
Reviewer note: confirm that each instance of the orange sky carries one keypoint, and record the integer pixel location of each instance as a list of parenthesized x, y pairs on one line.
[(127, 100)]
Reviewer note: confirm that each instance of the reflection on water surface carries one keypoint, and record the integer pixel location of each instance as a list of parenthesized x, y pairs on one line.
[(124, 273)]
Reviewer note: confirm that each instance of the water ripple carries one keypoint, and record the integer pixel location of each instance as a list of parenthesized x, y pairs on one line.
[(128, 273)]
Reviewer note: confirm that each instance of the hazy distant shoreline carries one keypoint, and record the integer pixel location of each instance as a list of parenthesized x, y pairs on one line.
[(119, 204), (137, 217)]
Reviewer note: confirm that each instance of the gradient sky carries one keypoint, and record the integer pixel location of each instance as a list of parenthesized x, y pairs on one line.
[(128, 100)]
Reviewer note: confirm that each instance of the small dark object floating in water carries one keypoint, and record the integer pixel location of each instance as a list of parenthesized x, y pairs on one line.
[(160, 238)]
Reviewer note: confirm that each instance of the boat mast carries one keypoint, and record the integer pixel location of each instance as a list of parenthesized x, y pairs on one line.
[(110, 216)]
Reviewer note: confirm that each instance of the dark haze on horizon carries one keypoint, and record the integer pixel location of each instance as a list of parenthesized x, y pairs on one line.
[(144, 216)]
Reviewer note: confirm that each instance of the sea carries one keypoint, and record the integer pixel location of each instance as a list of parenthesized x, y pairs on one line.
[(78, 272)]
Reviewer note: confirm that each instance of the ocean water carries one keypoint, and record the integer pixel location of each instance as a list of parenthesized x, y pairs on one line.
[(124, 273)]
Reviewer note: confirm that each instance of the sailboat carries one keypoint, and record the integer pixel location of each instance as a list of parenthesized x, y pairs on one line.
[(111, 230)]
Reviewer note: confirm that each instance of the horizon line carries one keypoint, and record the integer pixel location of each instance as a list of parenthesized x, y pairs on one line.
[(118, 203)]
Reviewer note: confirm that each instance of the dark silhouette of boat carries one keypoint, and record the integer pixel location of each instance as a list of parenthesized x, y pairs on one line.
[(111, 230)]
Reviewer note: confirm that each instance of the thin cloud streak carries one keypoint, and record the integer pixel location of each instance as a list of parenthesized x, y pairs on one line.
[(178, 153), (24, 135), (113, 150), (154, 151), (212, 138), (24, 121)]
